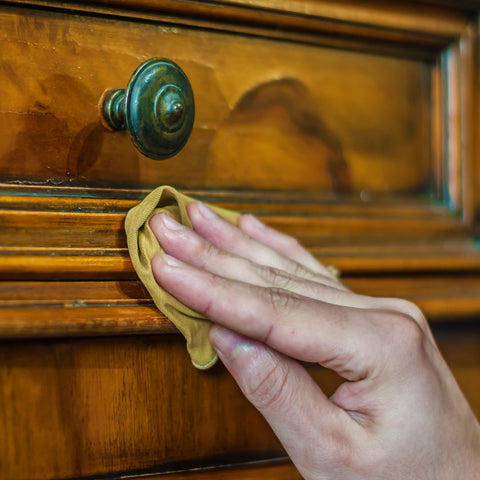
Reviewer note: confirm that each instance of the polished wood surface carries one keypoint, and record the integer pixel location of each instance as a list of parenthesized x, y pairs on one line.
[(265, 119), (91, 406), (348, 24), (351, 125), (252, 471), (102, 308), (46, 235)]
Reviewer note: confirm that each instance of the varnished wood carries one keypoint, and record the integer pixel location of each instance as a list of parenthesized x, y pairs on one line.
[(252, 471), (81, 322), (366, 152), (82, 264), (425, 25), (85, 407), (260, 202), (105, 231), (405, 17), (469, 5), (53, 135), (79, 309), (441, 298), (469, 123)]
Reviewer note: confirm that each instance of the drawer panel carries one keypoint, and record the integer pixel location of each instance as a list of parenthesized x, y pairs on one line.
[(71, 408), (78, 407), (285, 471), (271, 114)]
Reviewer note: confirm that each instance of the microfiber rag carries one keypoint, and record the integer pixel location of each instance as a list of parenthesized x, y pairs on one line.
[(143, 246)]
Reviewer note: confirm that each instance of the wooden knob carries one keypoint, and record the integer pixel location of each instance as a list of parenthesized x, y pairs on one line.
[(157, 108)]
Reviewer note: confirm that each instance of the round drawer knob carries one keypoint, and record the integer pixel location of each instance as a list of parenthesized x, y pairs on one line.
[(157, 108)]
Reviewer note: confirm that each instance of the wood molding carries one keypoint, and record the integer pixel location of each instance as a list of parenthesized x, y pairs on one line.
[(354, 260), (99, 308), (454, 124), (400, 28), (39, 244), (76, 234), (80, 322), (471, 5), (247, 471), (427, 19)]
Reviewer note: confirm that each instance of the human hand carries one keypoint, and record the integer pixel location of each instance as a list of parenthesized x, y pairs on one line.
[(398, 415)]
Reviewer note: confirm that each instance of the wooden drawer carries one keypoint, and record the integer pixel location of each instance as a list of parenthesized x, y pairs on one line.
[(270, 114), (350, 125), (359, 130), (118, 405)]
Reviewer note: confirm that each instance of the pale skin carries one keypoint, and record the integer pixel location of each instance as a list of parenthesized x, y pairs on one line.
[(400, 413)]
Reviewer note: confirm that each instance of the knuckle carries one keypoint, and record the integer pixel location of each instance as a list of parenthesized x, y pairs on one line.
[(407, 308), (208, 249), (268, 389), (281, 302), (303, 272), (274, 276), (413, 311), (406, 335), (208, 309), (292, 243), (201, 250)]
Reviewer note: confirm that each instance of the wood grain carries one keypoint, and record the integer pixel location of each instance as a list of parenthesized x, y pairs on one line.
[(91, 406), (43, 309), (52, 231), (70, 408), (246, 472), (381, 26), (460, 257), (48, 322), (53, 136), (350, 125)]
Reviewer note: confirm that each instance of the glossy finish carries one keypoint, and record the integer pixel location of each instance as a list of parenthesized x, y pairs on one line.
[(157, 108), (351, 125), (265, 119)]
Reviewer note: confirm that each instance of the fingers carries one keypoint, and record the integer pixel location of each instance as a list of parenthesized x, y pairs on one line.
[(297, 326), (183, 243), (188, 246), (301, 416), (227, 237), (283, 244)]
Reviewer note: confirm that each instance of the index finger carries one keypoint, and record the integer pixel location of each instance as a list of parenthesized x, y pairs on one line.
[(268, 250), (340, 338)]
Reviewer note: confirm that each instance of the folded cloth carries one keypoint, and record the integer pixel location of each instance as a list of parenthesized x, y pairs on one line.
[(143, 246)]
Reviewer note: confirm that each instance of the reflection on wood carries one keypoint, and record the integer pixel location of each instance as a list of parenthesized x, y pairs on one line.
[(305, 108), (274, 135)]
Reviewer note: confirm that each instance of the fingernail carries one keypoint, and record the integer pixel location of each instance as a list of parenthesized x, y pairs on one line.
[(225, 341), (170, 223), (171, 261), (256, 222), (205, 211)]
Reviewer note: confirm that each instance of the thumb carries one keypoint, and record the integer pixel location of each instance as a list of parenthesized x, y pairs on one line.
[(304, 420)]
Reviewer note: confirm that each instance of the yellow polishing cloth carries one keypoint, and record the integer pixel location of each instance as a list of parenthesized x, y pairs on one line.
[(143, 246)]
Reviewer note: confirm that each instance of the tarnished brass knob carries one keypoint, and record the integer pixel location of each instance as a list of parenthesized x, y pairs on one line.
[(157, 108)]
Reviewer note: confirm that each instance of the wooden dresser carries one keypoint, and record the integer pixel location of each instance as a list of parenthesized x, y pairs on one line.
[(352, 125)]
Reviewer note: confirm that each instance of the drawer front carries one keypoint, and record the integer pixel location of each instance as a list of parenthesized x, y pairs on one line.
[(270, 114), (72, 408), (135, 405)]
